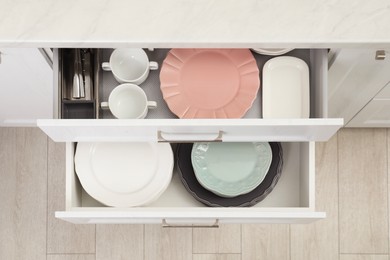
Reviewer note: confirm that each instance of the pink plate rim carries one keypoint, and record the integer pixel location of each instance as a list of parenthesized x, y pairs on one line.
[(180, 104)]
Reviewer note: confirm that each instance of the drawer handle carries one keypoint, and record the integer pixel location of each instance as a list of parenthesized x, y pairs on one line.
[(166, 225), (380, 55), (188, 138)]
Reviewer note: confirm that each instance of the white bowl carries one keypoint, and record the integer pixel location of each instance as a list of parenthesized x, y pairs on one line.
[(272, 52)]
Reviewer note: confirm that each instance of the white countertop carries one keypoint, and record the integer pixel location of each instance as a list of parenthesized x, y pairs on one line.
[(195, 23)]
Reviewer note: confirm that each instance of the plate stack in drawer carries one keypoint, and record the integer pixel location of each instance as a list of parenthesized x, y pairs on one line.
[(136, 174), (124, 174), (223, 189)]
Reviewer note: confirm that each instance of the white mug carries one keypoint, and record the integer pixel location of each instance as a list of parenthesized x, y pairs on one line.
[(128, 101), (130, 65)]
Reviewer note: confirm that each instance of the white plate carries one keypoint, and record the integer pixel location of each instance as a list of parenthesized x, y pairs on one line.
[(124, 174), (286, 88), (272, 52)]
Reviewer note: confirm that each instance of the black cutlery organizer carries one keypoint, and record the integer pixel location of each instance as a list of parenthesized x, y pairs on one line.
[(72, 107)]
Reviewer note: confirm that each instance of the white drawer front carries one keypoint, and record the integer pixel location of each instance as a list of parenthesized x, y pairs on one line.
[(230, 130), (188, 217), (291, 201)]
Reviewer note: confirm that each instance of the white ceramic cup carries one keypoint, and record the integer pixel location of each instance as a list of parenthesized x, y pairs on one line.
[(130, 65), (128, 101)]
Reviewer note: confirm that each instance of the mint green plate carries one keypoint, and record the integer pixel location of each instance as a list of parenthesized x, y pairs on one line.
[(231, 169)]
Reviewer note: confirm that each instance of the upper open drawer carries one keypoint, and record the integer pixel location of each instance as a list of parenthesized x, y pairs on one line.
[(161, 125)]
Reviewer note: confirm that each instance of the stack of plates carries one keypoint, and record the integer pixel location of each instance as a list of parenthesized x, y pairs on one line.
[(256, 168), (231, 169), (124, 174), (209, 83)]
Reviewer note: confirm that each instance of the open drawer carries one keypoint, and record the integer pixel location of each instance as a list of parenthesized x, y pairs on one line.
[(162, 125), (291, 201)]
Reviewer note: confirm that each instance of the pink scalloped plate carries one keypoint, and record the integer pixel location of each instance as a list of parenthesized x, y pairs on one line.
[(209, 83)]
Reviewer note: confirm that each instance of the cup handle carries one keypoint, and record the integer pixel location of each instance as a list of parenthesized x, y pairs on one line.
[(153, 65), (152, 104), (106, 66), (104, 105)]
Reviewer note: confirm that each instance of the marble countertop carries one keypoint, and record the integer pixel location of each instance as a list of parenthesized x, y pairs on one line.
[(195, 23)]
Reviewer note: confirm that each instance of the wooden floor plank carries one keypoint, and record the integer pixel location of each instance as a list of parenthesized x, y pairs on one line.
[(119, 242), (363, 257), (216, 257), (320, 239), (71, 257), (168, 243), (23, 196), (265, 242), (225, 239), (388, 180), (363, 207)]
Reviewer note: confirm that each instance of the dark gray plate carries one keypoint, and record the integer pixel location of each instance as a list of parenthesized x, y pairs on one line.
[(187, 176)]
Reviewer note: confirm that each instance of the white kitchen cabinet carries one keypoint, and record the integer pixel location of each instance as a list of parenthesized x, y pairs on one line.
[(291, 201), (26, 87), (375, 113), (355, 79)]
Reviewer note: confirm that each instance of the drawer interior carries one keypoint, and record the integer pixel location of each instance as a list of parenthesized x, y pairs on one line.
[(104, 82), (295, 188), (162, 125)]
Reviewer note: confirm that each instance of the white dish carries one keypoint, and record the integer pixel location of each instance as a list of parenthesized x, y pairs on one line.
[(286, 88), (272, 52), (124, 174)]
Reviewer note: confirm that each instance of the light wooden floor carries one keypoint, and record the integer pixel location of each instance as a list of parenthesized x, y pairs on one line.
[(352, 187)]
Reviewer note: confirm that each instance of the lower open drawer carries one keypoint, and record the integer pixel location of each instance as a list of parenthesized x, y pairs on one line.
[(291, 201)]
